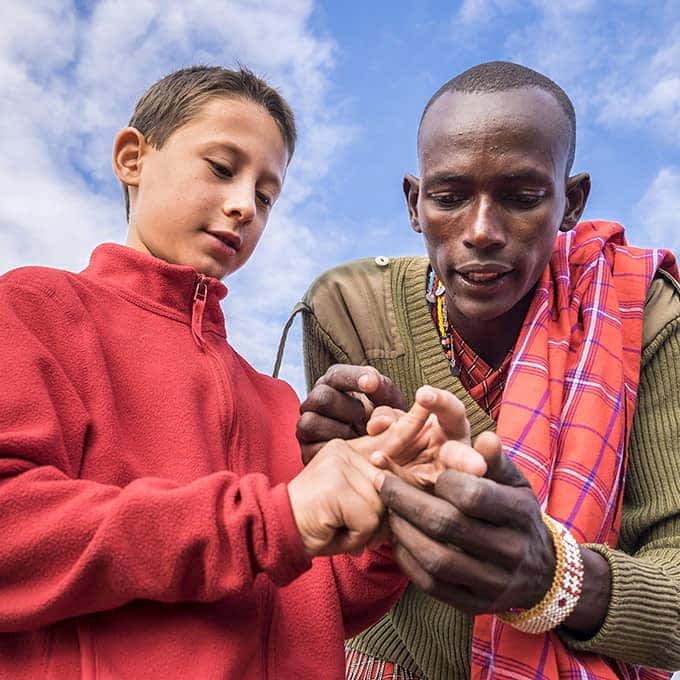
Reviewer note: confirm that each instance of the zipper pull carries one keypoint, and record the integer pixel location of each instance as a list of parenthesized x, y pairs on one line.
[(200, 297)]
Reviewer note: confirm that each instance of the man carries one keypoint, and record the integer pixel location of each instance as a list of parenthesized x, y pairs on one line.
[(553, 334)]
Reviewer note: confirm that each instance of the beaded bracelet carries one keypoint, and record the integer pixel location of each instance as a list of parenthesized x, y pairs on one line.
[(564, 592)]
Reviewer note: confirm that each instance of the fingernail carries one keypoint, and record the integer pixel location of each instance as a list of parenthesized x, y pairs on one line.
[(426, 394), (379, 480)]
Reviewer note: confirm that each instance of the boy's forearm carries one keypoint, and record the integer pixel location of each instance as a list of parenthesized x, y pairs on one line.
[(71, 547)]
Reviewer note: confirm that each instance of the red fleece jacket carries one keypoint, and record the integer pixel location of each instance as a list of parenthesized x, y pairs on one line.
[(145, 525)]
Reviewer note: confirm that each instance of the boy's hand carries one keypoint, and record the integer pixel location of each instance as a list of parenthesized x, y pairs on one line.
[(340, 405), (335, 503)]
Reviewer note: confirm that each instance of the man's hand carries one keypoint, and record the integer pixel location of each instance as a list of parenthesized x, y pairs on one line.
[(340, 405), (479, 543)]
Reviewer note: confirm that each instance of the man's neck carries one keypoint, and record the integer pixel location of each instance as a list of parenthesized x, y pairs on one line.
[(491, 339)]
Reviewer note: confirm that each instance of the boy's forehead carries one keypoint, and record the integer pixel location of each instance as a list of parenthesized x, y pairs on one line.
[(509, 114)]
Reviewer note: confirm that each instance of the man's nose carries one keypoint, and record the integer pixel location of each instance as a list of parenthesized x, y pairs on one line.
[(485, 226)]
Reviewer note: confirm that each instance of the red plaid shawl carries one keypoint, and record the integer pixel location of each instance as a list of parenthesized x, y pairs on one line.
[(566, 417)]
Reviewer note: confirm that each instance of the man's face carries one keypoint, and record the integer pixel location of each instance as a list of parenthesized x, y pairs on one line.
[(491, 197), (203, 198)]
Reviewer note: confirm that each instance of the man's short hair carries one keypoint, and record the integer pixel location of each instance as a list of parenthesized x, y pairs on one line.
[(176, 99), (499, 76)]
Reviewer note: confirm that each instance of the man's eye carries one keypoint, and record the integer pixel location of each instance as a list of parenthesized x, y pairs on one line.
[(264, 199), (524, 200), (446, 199), (220, 170)]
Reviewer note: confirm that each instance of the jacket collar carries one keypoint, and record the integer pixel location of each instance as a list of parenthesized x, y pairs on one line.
[(156, 285)]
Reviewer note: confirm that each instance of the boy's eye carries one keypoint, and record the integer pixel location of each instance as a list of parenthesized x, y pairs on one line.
[(264, 199), (220, 170)]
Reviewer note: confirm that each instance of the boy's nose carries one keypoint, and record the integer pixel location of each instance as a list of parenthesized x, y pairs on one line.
[(239, 204), (484, 227)]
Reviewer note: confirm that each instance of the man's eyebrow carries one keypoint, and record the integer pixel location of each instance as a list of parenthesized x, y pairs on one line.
[(445, 178), (520, 175)]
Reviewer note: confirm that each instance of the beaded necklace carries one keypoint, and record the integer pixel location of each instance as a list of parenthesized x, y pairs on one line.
[(484, 383), (435, 296)]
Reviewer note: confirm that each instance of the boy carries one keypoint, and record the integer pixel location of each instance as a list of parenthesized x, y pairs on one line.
[(148, 526)]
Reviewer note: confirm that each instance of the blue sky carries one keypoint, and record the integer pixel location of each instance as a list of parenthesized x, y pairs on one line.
[(358, 75)]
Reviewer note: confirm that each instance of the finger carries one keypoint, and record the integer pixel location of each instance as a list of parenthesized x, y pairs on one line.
[(455, 455), (313, 427), (333, 404), (483, 499), (381, 418), (445, 564), (360, 506), (365, 379), (499, 467), (450, 411), (399, 441), (382, 536), (383, 392), (455, 595), (310, 450), (442, 521)]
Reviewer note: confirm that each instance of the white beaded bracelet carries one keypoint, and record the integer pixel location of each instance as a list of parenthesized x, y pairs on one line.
[(564, 592)]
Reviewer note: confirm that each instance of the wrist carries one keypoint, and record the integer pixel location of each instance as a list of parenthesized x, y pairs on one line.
[(591, 609), (301, 517), (565, 591)]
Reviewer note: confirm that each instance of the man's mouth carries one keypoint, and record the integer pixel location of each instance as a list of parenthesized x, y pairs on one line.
[(481, 274), (483, 277)]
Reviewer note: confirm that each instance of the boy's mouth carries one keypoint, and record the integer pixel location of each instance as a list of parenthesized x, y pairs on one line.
[(228, 238)]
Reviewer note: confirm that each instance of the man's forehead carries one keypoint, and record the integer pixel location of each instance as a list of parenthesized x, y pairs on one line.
[(456, 113)]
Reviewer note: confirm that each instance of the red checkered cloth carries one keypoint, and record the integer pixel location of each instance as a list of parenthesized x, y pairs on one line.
[(565, 420), (483, 382)]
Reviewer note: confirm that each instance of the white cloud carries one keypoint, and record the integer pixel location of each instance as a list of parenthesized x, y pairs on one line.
[(617, 70), (68, 80), (657, 214), (481, 11), (648, 93)]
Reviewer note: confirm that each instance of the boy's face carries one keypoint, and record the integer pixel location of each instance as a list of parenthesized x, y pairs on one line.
[(491, 197), (204, 198)]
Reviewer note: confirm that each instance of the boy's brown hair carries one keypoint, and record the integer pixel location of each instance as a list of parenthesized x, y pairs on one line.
[(176, 99)]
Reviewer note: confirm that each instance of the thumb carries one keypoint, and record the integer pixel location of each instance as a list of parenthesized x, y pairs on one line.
[(500, 468)]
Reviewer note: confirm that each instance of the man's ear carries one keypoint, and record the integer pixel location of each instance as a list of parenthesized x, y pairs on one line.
[(577, 190), (411, 188), (129, 146)]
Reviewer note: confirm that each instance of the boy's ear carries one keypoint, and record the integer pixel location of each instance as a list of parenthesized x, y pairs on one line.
[(128, 148), (411, 188), (577, 190)]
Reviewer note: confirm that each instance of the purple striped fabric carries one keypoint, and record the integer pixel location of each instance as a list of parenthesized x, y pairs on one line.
[(565, 419)]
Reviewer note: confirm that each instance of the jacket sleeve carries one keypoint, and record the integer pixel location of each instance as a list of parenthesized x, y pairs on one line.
[(368, 587), (642, 624), (349, 318), (70, 546)]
